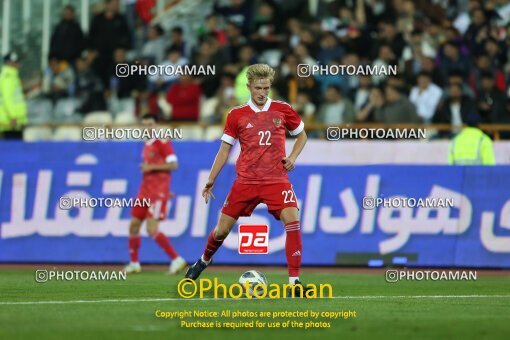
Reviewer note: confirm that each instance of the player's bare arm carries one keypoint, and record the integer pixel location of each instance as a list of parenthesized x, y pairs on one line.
[(146, 167), (219, 162), (289, 161)]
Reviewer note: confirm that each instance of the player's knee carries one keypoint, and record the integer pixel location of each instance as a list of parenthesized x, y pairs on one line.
[(221, 233), (134, 229), (152, 230)]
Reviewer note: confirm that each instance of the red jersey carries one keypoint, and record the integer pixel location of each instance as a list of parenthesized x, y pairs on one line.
[(262, 137), (156, 182)]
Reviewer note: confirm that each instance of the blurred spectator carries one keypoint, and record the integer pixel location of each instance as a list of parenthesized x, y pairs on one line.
[(161, 82), (239, 11), (177, 40), (330, 49), (303, 54), (385, 57), (246, 58), (362, 94), (304, 106), (108, 31), (268, 30), (225, 99), (184, 98), (456, 108), (289, 83), (455, 77), (212, 28), (58, 81), (209, 54), (388, 35), (395, 108), (375, 101), (144, 10), (425, 96), (130, 86), (491, 101), (451, 59), (154, 49), (89, 88), (67, 40), (234, 42), (337, 109), (483, 65), (13, 108)]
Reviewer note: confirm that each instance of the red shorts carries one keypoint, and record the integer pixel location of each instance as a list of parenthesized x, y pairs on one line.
[(244, 198), (157, 209)]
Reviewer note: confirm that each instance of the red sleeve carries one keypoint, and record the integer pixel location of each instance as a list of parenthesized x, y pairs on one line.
[(167, 151), (293, 122), (230, 134)]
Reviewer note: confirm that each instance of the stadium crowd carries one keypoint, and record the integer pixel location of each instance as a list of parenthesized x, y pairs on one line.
[(452, 58)]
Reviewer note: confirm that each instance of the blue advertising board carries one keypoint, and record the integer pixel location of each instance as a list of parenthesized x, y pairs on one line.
[(472, 231)]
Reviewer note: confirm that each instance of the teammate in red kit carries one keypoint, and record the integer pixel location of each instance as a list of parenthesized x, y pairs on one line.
[(260, 126), (159, 160)]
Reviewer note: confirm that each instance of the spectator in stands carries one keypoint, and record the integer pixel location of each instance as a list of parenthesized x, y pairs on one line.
[(496, 55), (268, 30), (451, 59), (337, 109), (362, 93), (246, 58), (109, 30), (425, 96), (239, 11), (132, 86), (395, 108), (212, 29), (455, 77), (154, 49), (329, 49), (289, 83), (177, 40), (13, 108), (67, 40), (58, 81), (209, 54), (304, 106), (375, 101), (388, 35), (385, 57), (455, 109), (483, 65), (184, 98), (491, 101), (235, 40), (161, 82), (225, 99), (89, 88)]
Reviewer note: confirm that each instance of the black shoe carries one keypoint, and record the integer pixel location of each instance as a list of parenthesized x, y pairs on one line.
[(195, 270), (299, 290)]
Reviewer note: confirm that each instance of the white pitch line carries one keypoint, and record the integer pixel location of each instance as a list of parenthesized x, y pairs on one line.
[(219, 299)]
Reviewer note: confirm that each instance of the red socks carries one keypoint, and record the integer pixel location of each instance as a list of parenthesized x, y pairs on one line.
[(164, 243), (293, 248), (134, 246), (211, 247)]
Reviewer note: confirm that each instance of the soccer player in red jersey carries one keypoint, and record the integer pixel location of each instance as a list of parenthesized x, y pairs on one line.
[(260, 126), (159, 160)]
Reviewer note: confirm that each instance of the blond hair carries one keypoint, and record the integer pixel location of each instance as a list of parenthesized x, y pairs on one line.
[(260, 71)]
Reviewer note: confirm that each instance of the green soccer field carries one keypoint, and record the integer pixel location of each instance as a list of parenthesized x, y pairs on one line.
[(126, 309)]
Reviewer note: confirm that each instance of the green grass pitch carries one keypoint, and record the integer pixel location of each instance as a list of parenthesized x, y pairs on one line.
[(126, 309)]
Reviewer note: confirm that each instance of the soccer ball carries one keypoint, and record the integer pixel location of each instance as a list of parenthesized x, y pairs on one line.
[(254, 278)]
